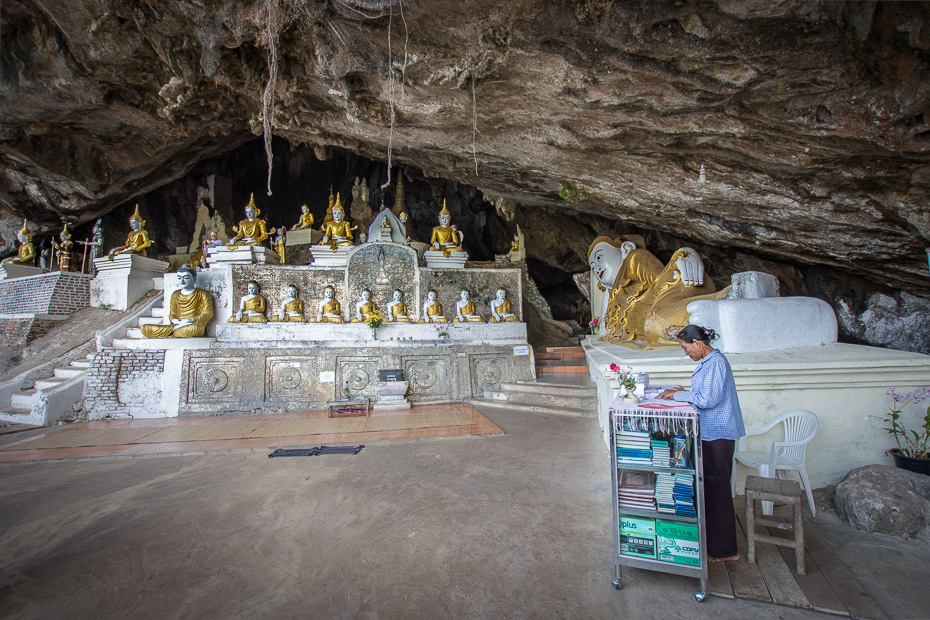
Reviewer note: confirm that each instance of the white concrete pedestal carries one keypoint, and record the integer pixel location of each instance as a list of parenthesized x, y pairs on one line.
[(323, 255), (391, 396), (242, 255), (123, 281), (436, 260), (8, 271), (307, 236)]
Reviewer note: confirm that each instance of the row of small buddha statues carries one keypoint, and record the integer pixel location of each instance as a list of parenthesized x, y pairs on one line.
[(253, 306)]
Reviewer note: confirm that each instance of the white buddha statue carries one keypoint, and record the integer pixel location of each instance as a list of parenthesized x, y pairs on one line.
[(432, 310), (465, 309), (251, 307), (329, 310), (364, 307), (292, 309), (397, 309), (500, 309)]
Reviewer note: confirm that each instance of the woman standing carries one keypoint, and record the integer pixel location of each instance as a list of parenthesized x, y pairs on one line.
[(713, 394)]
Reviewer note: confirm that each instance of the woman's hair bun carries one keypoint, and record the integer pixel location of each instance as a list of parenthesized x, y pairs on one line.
[(710, 334)]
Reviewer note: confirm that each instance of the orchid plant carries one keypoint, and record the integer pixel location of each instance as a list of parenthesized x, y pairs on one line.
[(624, 376), (909, 442), (442, 329)]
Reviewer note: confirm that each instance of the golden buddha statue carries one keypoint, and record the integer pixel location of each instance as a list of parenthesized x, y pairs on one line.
[(397, 309), (364, 307), (250, 231), (500, 309), (63, 250), (338, 232), (432, 310), (279, 243), (306, 220), (515, 247), (251, 307), (26, 255), (465, 309), (329, 310), (136, 241), (189, 311), (445, 237), (292, 310)]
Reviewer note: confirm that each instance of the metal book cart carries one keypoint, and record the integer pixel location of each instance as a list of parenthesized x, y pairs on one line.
[(679, 420)]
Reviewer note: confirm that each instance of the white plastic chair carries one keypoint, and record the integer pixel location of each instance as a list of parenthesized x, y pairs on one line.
[(800, 428)]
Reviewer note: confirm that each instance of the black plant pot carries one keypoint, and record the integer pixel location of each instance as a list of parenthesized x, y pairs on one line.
[(918, 466)]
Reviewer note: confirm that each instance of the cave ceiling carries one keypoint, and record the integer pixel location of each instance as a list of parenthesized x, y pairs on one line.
[(809, 116)]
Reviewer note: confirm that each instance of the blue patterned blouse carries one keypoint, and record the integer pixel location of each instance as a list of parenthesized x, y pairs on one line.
[(713, 394)]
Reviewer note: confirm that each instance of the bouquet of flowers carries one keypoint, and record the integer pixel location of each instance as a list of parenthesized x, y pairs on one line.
[(345, 388), (909, 442), (442, 329), (624, 376), (374, 319), (593, 323)]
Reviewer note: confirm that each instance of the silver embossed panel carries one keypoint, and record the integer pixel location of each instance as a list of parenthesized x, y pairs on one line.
[(214, 380), (489, 371), (360, 372), (381, 268), (290, 379), (430, 377)]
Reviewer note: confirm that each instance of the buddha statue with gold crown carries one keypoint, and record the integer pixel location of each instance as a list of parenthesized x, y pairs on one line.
[(339, 231), (63, 250), (26, 255), (397, 309), (189, 311), (292, 310), (445, 237), (250, 231), (500, 309), (329, 310), (136, 241)]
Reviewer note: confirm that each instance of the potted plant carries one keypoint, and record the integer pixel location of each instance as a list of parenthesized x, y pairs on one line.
[(627, 380), (593, 323), (912, 451), (442, 330)]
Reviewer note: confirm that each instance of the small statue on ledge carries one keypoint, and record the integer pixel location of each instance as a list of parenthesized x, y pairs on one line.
[(189, 312), (251, 307), (306, 220), (26, 255), (250, 231), (63, 250), (279, 243), (338, 232), (500, 309), (329, 310), (292, 310), (136, 241), (96, 243), (465, 309), (445, 237), (397, 309), (364, 307), (432, 310)]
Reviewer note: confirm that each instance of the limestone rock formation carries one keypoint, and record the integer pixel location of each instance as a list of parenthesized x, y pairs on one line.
[(879, 498)]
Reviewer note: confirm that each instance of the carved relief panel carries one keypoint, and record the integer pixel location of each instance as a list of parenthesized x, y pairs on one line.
[(360, 372), (430, 377), (488, 371), (214, 380), (290, 379)]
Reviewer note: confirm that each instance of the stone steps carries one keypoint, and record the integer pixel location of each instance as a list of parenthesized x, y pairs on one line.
[(561, 360), (555, 389), (149, 320), (11, 411), (541, 397), (511, 406), (21, 402)]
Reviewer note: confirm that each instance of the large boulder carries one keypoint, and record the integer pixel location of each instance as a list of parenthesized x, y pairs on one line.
[(879, 498)]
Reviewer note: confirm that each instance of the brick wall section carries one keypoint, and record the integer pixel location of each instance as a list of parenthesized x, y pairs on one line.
[(107, 368), (18, 332), (51, 293)]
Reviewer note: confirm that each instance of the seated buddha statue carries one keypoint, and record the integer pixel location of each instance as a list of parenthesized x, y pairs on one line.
[(500, 309), (26, 255), (364, 307), (397, 309), (465, 309), (137, 240), (445, 237), (432, 310), (251, 230), (292, 310), (338, 232), (306, 220), (251, 307), (63, 250), (329, 310), (189, 311)]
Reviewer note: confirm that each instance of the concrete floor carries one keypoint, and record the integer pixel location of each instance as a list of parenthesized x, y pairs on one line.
[(514, 526)]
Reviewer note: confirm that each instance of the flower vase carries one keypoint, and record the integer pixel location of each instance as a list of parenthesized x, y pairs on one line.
[(630, 397), (374, 333)]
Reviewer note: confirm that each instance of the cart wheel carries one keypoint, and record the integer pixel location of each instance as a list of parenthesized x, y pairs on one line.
[(700, 596), (617, 584)]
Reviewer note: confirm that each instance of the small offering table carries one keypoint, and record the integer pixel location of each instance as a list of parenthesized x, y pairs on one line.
[(346, 408)]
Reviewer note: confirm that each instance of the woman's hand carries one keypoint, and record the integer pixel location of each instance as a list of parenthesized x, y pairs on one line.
[(668, 394)]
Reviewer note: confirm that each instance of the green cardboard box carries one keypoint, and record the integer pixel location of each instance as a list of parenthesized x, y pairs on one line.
[(638, 546), (637, 525), (673, 529), (678, 551)]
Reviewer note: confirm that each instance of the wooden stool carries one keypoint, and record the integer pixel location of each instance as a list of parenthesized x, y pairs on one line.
[(778, 492)]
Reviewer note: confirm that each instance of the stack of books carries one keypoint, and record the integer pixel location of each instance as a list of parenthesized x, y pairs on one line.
[(636, 489), (661, 453), (665, 493), (684, 494), (633, 448)]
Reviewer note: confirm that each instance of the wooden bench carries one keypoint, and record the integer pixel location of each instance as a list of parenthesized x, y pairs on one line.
[(779, 492)]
